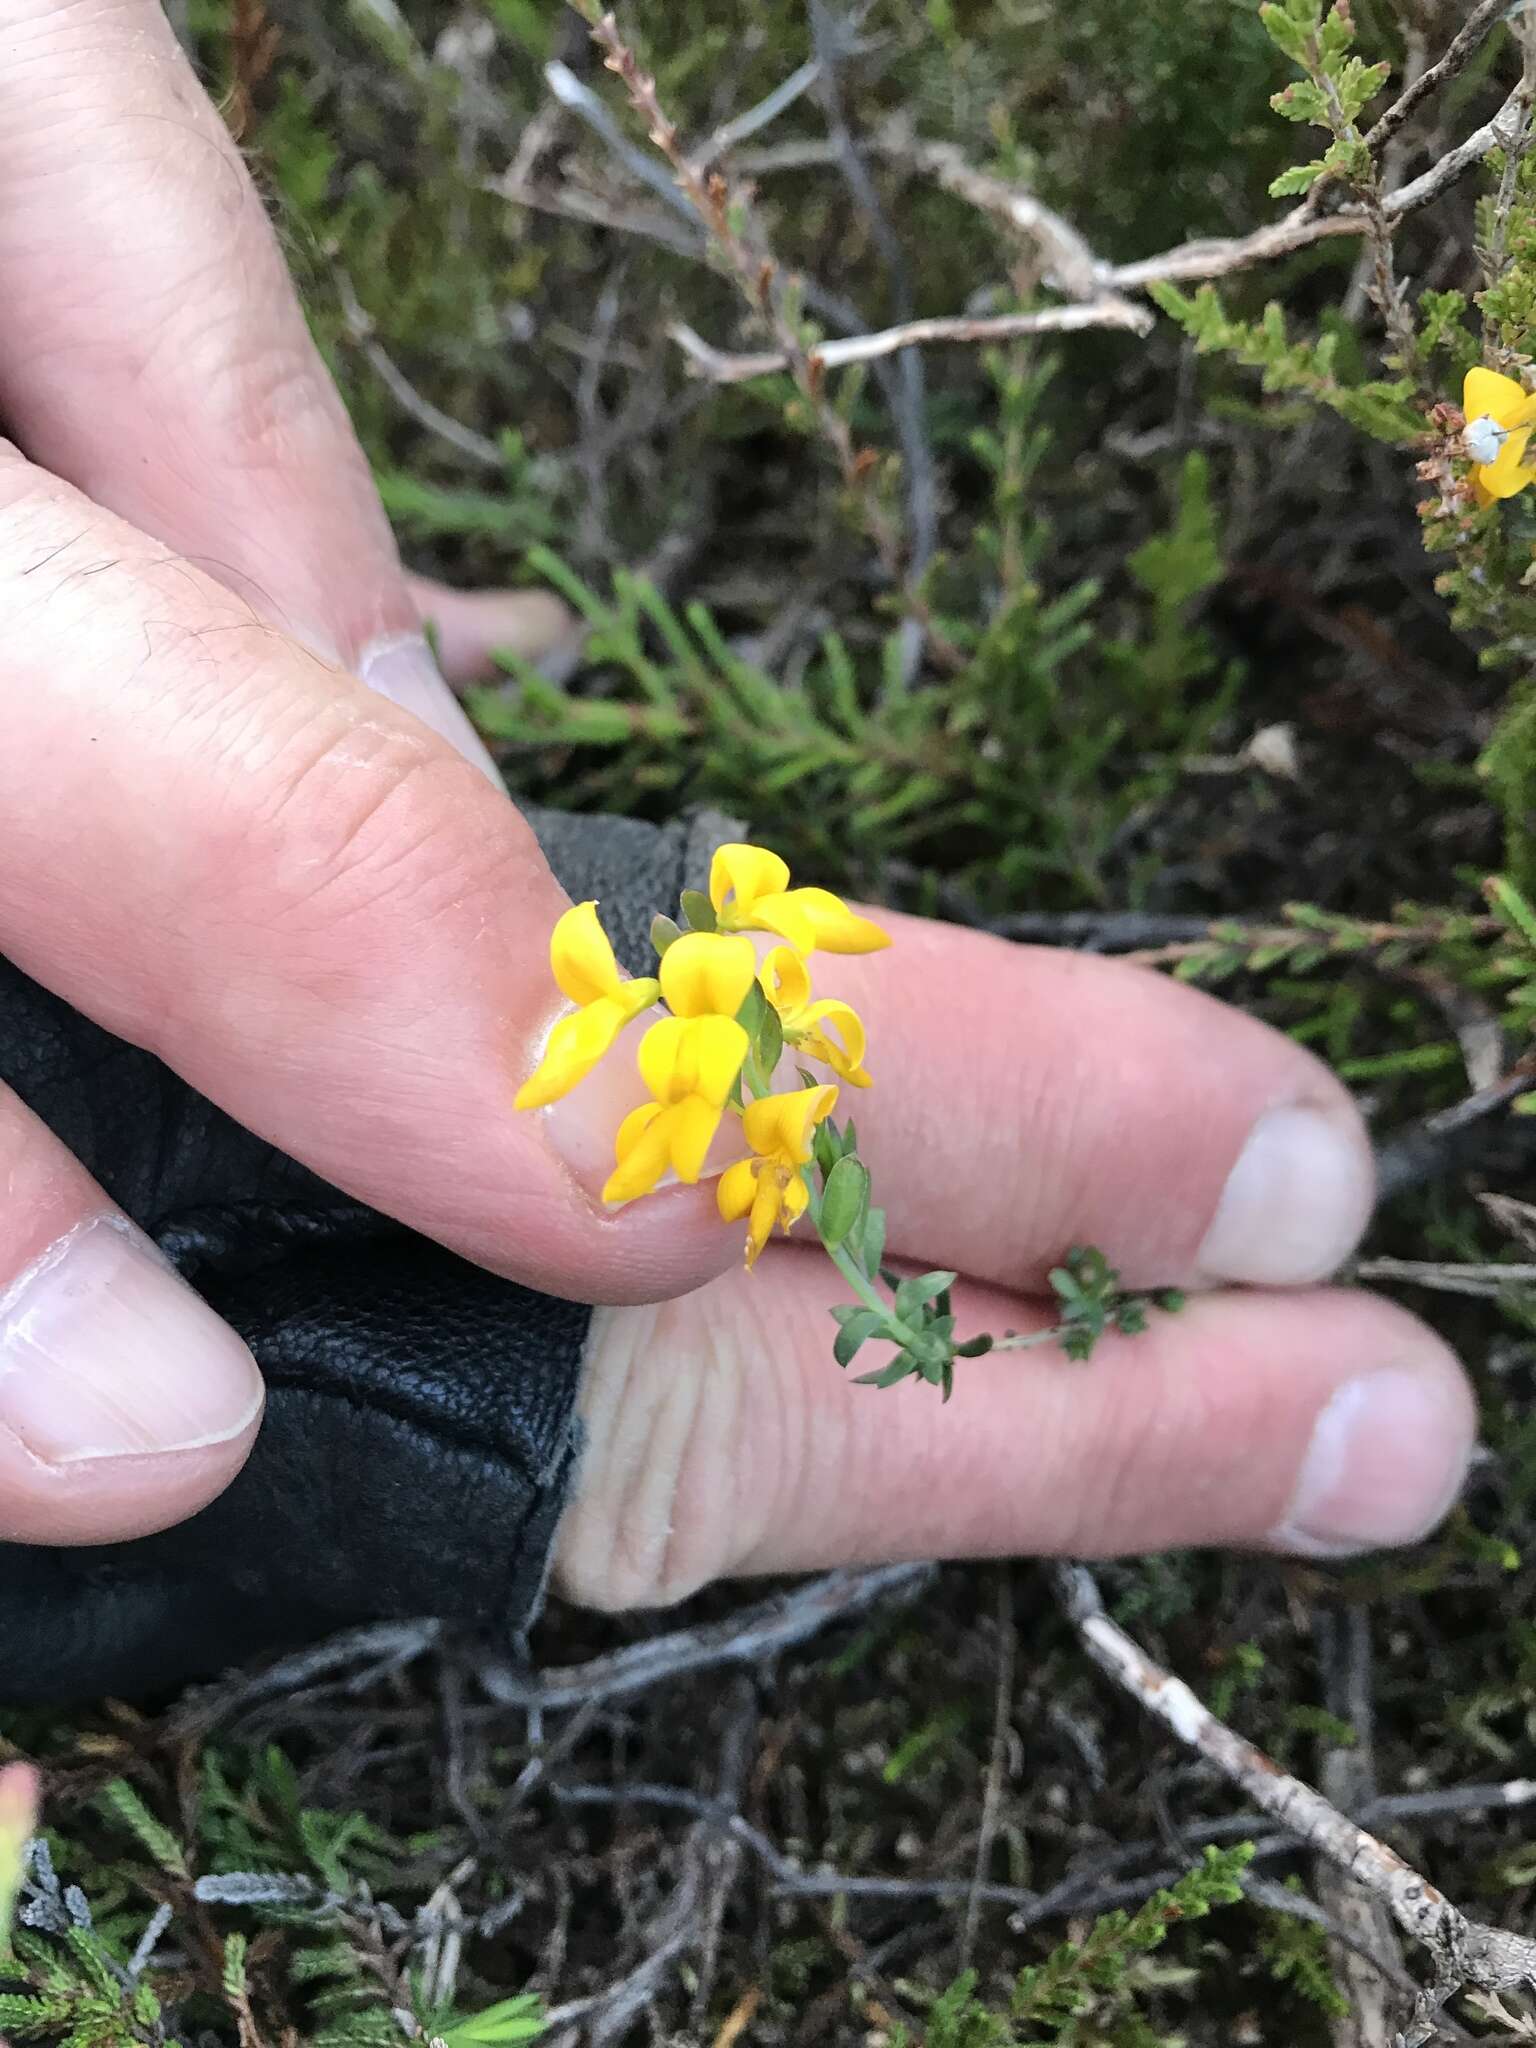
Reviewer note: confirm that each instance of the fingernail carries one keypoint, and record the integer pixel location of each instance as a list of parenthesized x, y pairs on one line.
[(582, 1126), (404, 670), (1387, 1459), (105, 1352), (1295, 1203)]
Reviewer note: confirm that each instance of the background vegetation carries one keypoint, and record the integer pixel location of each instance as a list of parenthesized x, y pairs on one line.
[(1132, 641)]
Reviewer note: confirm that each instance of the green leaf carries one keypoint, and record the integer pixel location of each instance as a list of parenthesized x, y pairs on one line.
[(770, 1038), (1299, 178), (234, 1966), (916, 1293), (874, 1240), (119, 1801), (750, 1015), (901, 1367), (842, 1200), (514, 2019), (664, 933), (855, 1333), (699, 911), (975, 1347), (826, 1145)]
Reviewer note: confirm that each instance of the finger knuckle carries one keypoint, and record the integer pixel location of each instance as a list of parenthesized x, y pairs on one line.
[(353, 813)]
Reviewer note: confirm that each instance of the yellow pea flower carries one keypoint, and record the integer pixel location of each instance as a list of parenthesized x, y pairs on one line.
[(1500, 417), (749, 888), (786, 982), (690, 1065), (706, 974), (585, 968), (770, 1187)]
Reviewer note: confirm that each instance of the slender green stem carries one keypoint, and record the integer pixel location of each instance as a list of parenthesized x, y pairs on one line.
[(854, 1273), (1034, 1341)]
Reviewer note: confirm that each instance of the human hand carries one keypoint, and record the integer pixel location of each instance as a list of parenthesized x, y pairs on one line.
[(221, 846), (419, 1444), (216, 840)]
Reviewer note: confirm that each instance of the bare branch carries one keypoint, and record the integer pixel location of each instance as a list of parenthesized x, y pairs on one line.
[(1459, 52), (478, 447), (1072, 265), (748, 1637), (730, 133), (723, 367), (1465, 1952)]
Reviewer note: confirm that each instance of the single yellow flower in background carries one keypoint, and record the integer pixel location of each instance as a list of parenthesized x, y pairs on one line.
[(770, 1188), (749, 888), (586, 970), (1500, 417), (706, 974), (786, 982), (690, 1065)]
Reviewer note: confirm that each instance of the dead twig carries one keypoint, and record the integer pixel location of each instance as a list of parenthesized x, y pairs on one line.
[(1458, 54), (1464, 1952), (1366, 1954), (992, 1795), (479, 448), (723, 367), (751, 1636), (742, 126)]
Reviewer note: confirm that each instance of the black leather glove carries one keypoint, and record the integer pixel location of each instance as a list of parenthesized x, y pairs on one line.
[(420, 1437)]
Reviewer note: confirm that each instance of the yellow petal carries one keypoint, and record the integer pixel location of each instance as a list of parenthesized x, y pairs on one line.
[(736, 1190), (1486, 393), (707, 974), (683, 1056), (786, 982), (647, 1159), (692, 1125), (797, 1200), (635, 996), (837, 929), (780, 1126), (845, 1053), (781, 914), (765, 1213), (745, 872), (634, 1128), (576, 1044), (581, 956), (1506, 476)]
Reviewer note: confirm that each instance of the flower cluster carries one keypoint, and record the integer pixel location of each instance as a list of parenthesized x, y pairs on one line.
[(725, 1021), (715, 1053)]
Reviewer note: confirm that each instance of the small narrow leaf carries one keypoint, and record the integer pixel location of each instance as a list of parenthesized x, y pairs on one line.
[(843, 1200), (915, 1294), (699, 911), (664, 933), (854, 1334), (901, 1367), (770, 1039), (874, 1240)]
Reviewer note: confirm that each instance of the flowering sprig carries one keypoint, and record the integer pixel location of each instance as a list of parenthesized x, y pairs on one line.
[(729, 1025)]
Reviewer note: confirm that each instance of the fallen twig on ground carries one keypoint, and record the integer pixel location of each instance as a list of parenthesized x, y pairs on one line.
[(746, 1637), (1464, 1953)]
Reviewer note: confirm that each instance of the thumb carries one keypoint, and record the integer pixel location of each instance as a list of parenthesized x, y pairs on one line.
[(307, 904)]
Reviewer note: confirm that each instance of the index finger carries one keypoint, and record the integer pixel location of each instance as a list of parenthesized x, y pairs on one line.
[(305, 902)]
